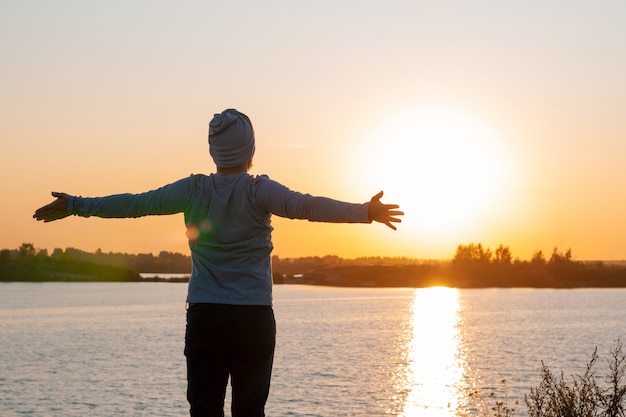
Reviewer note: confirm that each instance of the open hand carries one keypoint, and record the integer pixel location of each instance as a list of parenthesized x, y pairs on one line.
[(54, 211), (383, 213)]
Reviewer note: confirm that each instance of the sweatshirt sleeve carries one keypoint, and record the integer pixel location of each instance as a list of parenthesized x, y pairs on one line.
[(281, 201), (170, 199)]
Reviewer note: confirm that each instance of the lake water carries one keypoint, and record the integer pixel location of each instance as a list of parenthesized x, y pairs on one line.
[(116, 349)]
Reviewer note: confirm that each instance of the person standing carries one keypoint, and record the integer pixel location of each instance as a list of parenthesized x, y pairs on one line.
[(231, 329)]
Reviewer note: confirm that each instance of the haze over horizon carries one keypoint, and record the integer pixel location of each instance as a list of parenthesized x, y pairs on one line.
[(488, 122)]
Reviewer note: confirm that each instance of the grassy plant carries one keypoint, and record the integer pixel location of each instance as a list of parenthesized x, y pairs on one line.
[(612, 398), (553, 397), (491, 406)]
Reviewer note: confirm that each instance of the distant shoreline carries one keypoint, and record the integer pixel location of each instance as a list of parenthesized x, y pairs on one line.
[(472, 267)]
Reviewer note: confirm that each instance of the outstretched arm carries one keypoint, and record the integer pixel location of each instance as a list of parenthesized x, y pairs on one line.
[(169, 199), (383, 213), (54, 211)]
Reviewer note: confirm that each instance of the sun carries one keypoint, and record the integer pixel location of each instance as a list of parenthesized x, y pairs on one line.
[(445, 169)]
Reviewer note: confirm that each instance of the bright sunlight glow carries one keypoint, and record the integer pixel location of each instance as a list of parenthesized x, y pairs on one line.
[(446, 170)]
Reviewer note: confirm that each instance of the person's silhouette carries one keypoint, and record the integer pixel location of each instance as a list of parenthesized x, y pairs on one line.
[(230, 321)]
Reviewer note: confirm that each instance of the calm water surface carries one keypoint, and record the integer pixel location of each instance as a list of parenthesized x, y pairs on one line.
[(115, 349)]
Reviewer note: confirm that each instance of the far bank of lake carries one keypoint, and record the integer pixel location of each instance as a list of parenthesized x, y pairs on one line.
[(472, 267)]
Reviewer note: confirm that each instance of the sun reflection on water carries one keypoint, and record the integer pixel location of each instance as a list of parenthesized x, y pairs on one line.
[(435, 364)]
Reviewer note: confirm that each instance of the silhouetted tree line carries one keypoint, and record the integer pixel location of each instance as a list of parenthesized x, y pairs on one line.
[(28, 264), (165, 262), (473, 266)]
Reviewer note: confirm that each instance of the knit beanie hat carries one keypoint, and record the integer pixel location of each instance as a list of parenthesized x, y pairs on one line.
[(231, 139)]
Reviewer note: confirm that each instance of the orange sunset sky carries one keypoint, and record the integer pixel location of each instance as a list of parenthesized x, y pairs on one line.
[(487, 121)]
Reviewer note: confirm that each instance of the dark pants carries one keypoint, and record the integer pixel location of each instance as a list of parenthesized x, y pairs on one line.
[(223, 340)]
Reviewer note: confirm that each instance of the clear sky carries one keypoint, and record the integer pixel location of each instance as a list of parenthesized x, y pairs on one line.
[(500, 122)]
